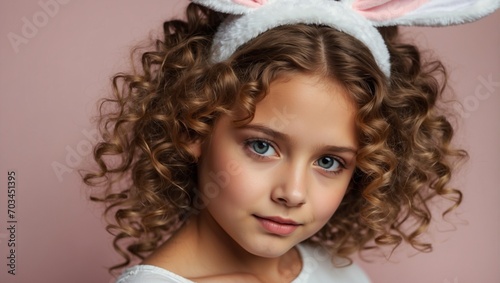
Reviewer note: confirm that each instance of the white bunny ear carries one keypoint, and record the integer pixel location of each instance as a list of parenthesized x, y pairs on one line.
[(237, 30), (234, 7), (358, 18), (423, 12)]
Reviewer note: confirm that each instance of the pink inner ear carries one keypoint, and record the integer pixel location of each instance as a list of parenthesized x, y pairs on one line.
[(382, 10), (368, 4), (251, 3)]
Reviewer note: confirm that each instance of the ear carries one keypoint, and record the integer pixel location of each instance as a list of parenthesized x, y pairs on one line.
[(195, 149), (234, 7), (423, 12)]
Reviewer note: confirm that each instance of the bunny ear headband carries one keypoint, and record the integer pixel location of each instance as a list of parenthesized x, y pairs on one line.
[(358, 18)]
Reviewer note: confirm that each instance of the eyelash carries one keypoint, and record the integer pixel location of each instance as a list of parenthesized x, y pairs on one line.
[(341, 162), (248, 144)]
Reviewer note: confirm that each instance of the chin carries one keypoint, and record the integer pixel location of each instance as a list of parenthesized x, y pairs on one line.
[(269, 253), (268, 248)]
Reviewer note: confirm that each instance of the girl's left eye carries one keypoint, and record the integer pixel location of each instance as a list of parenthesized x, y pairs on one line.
[(261, 148), (330, 164)]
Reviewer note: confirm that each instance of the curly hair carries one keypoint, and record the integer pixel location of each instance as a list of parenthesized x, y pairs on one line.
[(147, 172)]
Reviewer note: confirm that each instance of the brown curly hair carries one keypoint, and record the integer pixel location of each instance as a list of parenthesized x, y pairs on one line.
[(149, 173)]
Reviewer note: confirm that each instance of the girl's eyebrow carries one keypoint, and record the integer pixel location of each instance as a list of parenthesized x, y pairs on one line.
[(282, 136)]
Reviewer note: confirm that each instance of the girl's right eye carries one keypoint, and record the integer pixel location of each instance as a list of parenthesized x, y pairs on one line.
[(261, 148)]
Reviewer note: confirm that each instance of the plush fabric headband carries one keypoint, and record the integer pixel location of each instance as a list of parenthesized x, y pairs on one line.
[(358, 18)]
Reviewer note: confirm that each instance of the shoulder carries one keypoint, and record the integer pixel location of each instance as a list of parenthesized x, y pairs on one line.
[(150, 274), (317, 267)]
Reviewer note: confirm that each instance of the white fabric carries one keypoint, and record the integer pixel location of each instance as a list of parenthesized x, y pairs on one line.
[(243, 27), (225, 6), (444, 13), (248, 22), (150, 274), (316, 268)]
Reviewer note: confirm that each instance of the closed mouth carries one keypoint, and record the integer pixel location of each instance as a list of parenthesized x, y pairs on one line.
[(277, 225), (279, 220)]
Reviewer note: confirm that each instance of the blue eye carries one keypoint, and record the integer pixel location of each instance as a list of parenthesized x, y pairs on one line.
[(330, 164), (262, 148)]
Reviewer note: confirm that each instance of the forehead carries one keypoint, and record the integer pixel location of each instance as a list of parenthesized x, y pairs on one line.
[(309, 84), (302, 104)]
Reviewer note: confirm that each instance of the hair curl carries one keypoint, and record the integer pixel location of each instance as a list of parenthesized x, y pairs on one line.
[(404, 158)]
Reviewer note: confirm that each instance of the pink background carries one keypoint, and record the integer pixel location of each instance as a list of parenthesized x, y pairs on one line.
[(50, 82)]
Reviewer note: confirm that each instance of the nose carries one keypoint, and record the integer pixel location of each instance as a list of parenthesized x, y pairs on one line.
[(291, 190)]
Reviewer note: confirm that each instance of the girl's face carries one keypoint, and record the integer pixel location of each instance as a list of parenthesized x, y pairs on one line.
[(275, 182)]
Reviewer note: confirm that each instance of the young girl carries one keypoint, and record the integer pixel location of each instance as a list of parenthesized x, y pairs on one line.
[(265, 141)]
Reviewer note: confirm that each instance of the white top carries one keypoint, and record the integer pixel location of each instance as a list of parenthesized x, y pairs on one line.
[(317, 267)]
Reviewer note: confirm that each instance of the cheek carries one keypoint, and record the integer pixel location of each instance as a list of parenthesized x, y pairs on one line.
[(239, 183), (325, 204), (328, 199), (223, 175)]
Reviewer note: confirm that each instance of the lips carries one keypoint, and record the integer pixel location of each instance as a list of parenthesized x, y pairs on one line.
[(277, 225)]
